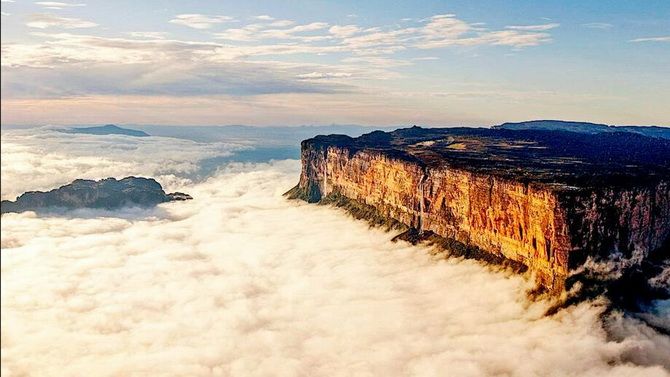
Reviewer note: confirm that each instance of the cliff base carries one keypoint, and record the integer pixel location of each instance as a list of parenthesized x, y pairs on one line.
[(443, 245)]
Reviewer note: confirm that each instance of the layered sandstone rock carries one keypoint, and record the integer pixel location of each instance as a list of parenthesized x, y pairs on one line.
[(520, 195)]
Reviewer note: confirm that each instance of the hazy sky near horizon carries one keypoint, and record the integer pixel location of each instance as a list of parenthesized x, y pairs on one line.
[(320, 62)]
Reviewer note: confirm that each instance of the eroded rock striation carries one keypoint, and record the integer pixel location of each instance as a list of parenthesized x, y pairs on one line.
[(546, 200), (108, 193)]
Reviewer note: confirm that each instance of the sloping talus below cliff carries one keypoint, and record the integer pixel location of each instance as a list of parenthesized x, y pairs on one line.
[(552, 202)]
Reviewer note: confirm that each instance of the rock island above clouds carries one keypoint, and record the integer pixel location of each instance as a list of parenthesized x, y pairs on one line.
[(108, 193)]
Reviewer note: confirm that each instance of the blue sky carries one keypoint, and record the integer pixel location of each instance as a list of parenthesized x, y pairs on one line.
[(321, 62)]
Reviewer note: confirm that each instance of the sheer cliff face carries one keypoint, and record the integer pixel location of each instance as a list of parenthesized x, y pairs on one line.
[(548, 228), (630, 221)]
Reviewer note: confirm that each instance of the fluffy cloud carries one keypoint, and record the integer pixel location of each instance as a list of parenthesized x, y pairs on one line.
[(447, 30), (281, 23), (224, 78), (273, 30), (439, 31), (245, 60), (130, 66), (199, 21), (63, 50), (240, 281), (344, 31), (44, 21)]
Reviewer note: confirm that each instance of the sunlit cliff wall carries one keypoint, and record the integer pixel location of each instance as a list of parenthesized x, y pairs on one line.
[(546, 229)]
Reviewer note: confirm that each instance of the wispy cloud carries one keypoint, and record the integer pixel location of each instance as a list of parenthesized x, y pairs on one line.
[(439, 31), (148, 34), (542, 27), (344, 31), (199, 21), (58, 5), (447, 30), (247, 60), (323, 75), (598, 25), (44, 21), (281, 23), (150, 66), (652, 39), (259, 32), (264, 17)]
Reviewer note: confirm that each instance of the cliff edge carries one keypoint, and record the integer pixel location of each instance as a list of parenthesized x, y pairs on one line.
[(546, 200)]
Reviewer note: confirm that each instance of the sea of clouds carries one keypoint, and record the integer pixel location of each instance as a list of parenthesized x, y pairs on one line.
[(242, 282), (44, 158)]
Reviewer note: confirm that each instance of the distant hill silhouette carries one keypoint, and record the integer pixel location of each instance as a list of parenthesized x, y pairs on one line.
[(585, 127), (108, 129)]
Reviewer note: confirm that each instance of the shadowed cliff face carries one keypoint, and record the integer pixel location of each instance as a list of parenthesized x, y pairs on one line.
[(548, 200)]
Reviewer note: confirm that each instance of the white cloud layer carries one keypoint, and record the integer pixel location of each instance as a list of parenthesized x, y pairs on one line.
[(49, 159), (240, 60), (242, 282)]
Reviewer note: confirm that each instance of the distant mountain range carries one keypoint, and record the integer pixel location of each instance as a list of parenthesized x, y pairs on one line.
[(585, 127), (275, 135), (108, 129), (292, 135)]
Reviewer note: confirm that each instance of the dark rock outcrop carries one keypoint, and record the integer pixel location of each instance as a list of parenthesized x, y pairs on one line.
[(549, 200), (107, 193)]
